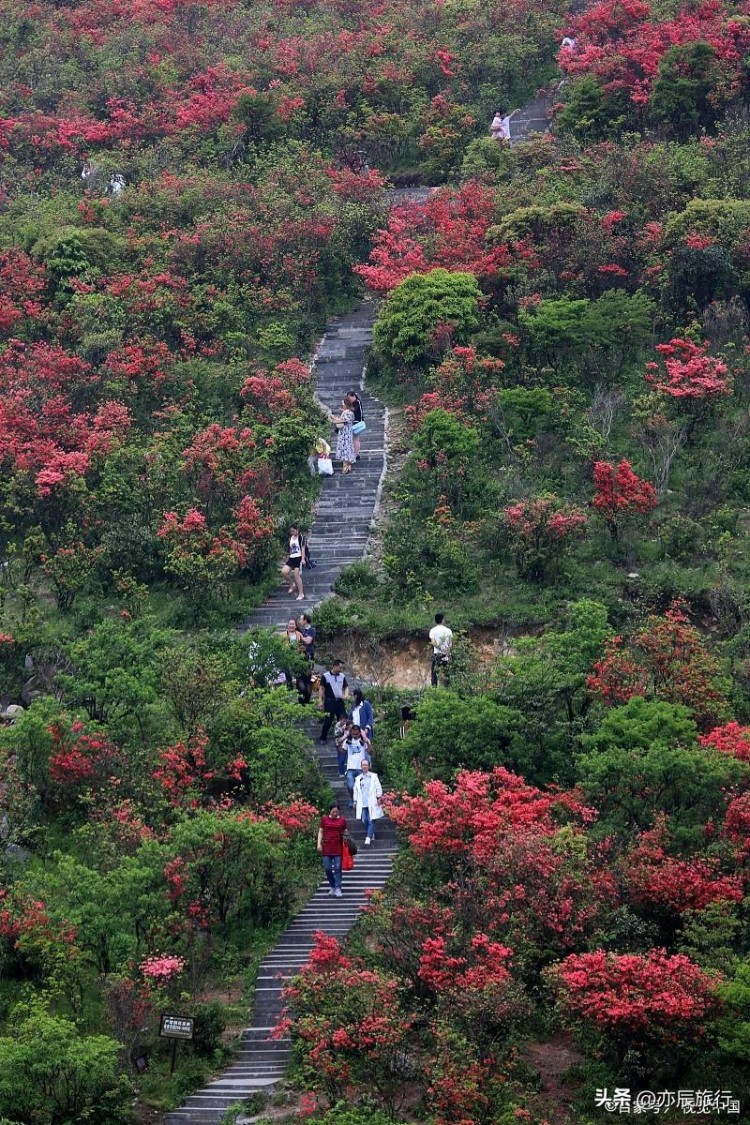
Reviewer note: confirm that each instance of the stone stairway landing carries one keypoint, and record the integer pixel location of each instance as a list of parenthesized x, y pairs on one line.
[(534, 117)]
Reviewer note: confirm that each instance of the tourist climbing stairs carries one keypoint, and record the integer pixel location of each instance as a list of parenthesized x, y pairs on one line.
[(341, 526), (344, 512), (262, 1059)]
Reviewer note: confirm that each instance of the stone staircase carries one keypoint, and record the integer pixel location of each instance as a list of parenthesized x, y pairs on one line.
[(344, 511), (341, 526), (534, 117), (262, 1060)]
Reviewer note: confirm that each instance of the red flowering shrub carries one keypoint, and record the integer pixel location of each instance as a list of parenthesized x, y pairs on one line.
[(448, 232), (654, 878), (80, 761), (184, 772), (689, 372), (620, 493), (667, 659), (736, 827), (540, 530), (622, 43), (650, 1001), (205, 563), (296, 818), (731, 738), (30, 938), (348, 1023), (495, 841)]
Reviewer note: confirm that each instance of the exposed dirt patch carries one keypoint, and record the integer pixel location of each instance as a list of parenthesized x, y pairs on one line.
[(404, 662), (553, 1060)]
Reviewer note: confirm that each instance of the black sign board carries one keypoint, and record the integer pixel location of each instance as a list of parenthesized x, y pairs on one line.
[(176, 1027)]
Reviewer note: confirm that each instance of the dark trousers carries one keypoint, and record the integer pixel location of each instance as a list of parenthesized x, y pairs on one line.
[(334, 710), (304, 685), (440, 662)]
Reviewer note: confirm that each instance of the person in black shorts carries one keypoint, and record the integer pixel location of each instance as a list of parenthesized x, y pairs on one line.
[(292, 568), (354, 403)]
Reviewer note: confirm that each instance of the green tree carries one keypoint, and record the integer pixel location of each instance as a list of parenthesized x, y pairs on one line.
[(545, 681), (51, 1074), (423, 315), (234, 866), (684, 94), (591, 114), (451, 733), (114, 670), (734, 1026), (557, 326), (644, 760), (262, 728)]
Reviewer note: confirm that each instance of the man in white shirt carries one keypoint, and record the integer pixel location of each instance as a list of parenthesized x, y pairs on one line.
[(441, 638), (333, 691)]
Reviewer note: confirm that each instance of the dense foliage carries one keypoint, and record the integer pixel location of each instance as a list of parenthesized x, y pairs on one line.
[(188, 190)]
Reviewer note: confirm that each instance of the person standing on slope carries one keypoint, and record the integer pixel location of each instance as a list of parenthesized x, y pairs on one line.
[(441, 638)]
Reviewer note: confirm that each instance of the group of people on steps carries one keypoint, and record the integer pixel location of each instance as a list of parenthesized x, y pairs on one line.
[(350, 424), (354, 735)]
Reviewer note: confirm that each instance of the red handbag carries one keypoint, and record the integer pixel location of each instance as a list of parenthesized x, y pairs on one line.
[(347, 859)]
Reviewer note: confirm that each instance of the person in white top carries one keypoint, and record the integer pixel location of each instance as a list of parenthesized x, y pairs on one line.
[(441, 638), (357, 751), (500, 127), (292, 568), (367, 794)]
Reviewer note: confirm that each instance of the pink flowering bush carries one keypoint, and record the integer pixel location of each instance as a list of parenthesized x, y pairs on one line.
[(162, 968), (540, 532)]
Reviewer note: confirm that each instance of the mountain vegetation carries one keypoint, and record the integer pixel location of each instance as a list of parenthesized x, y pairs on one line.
[(187, 192)]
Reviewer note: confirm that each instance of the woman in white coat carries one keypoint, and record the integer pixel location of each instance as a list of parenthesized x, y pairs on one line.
[(367, 793)]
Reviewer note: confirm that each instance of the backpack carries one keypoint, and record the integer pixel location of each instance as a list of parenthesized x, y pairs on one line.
[(306, 560)]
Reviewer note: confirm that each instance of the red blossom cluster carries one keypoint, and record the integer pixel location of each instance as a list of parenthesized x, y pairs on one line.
[(184, 771), (296, 817), (78, 757), (656, 995), (536, 520), (162, 968), (50, 424), (620, 490), (731, 738), (689, 371), (448, 232), (666, 659), (654, 878), (622, 42)]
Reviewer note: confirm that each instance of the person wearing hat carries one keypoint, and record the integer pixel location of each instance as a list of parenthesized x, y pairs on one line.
[(331, 847)]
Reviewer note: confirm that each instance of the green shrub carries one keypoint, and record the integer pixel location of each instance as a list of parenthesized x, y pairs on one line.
[(359, 579), (404, 333), (210, 1022)]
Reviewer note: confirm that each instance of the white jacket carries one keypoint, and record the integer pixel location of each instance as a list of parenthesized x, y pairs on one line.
[(376, 792)]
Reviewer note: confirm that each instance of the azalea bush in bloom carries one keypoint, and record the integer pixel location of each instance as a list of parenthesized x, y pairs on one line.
[(162, 969), (655, 1003), (666, 659), (621, 495), (539, 531)]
